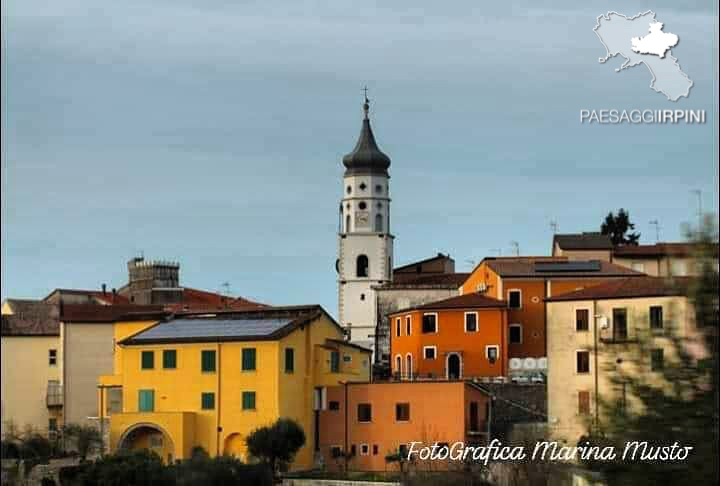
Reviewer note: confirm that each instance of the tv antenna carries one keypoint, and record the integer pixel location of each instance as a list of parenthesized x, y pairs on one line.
[(656, 223)]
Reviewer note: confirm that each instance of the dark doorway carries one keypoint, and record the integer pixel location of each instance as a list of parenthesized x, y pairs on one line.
[(453, 366)]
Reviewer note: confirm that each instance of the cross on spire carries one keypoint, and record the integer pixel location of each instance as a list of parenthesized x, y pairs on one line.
[(366, 104)]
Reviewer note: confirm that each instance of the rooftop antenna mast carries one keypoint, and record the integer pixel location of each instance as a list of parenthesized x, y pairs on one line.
[(554, 226), (516, 247), (656, 223), (698, 193)]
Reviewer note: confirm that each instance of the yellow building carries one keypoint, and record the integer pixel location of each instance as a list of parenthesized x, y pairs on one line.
[(621, 327), (210, 380)]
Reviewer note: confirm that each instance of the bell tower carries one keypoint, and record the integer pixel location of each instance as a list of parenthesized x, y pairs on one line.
[(365, 244)]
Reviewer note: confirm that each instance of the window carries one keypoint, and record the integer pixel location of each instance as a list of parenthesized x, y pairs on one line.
[(429, 352), (207, 361), (402, 412), (289, 360), (397, 327), (492, 352), (474, 422), (656, 317), (362, 264), (378, 188), (146, 400), (207, 401), (583, 362), (582, 319), (471, 319), (375, 449), (169, 359), (364, 449), (52, 357), (248, 359), (248, 400), (514, 299), (52, 424), (402, 450), (334, 362), (362, 205), (398, 365), (408, 325), (429, 323), (364, 412), (347, 224), (408, 366), (353, 450), (378, 223), (334, 405), (147, 360), (584, 402), (347, 358), (362, 296), (515, 334), (620, 324), (336, 452), (657, 359)]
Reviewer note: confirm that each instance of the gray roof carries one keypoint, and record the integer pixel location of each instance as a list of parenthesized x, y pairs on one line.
[(211, 329), (366, 157)]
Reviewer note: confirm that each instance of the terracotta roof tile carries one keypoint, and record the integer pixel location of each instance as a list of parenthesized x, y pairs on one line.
[(467, 301), (657, 250), (628, 288), (538, 268)]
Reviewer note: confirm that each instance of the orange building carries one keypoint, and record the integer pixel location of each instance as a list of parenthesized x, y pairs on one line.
[(456, 338), (524, 282), (371, 420)]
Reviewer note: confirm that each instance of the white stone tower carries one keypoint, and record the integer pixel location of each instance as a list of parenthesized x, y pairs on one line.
[(365, 245)]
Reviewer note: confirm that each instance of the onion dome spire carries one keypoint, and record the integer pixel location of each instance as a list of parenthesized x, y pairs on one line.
[(366, 157)]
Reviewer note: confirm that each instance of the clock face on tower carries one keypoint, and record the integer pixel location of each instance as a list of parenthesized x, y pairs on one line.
[(362, 218)]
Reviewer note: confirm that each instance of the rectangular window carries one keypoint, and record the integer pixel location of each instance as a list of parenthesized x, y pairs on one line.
[(207, 361), (248, 359), (52, 424), (334, 361), (347, 358), (169, 359), (583, 362), (429, 323), (364, 412), (657, 359), (52, 357), (334, 405), (248, 400), (353, 450), (584, 402), (514, 299), (491, 353), (147, 360), (364, 449), (398, 327), (207, 401), (403, 450), (582, 319), (515, 334), (408, 325), (376, 449), (620, 324), (429, 352), (656, 317), (471, 324), (474, 422), (146, 400), (402, 412), (289, 360)]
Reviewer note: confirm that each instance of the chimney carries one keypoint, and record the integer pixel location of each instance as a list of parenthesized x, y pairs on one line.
[(104, 289)]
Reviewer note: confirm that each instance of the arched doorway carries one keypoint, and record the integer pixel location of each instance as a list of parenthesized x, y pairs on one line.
[(235, 446), (150, 437), (454, 366)]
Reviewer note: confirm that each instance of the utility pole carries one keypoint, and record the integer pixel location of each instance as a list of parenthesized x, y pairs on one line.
[(656, 223)]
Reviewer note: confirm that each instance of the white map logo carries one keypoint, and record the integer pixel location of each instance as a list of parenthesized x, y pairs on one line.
[(641, 39)]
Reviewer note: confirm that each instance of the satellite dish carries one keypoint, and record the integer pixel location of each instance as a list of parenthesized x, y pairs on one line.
[(529, 363), (542, 363), (515, 363)]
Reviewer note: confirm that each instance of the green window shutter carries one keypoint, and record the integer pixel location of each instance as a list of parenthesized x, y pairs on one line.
[(248, 359), (169, 359), (208, 361), (207, 401), (248, 400), (146, 401), (334, 361), (289, 360), (147, 360)]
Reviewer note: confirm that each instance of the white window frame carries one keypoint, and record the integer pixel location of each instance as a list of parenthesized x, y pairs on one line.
[(435, 354), (516, 324), (408, 372), (487, 355), (408, 329), (367, 449), (447, 365), (521, 298), (437, 323), (398, 327), (589, 371), (590, 318), (399, 368), (477, 321)]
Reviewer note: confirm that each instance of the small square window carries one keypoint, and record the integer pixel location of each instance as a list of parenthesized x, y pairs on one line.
[(169, 359), (657, 359), (147, 360), (364, 449), (582, 319), (514, 299), (248, 400), (429, 323), (347, 358), (146, 400), (492, 352), (402, 412), (471, 322), (207, 401), (334, 405), (429, 352), (364, 411), (52, 357), (583, 362)]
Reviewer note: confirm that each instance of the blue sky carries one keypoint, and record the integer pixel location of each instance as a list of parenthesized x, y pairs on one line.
[(211, 133)]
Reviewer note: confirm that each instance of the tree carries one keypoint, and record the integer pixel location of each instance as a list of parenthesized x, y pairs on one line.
[(276, 444), (617, 227), (126, 468), (87, 439), (681, 407)]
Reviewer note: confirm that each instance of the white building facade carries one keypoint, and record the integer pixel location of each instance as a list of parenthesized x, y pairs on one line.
[(365, 244)]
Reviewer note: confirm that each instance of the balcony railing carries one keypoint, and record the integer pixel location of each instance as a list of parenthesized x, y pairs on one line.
[(54, 399)]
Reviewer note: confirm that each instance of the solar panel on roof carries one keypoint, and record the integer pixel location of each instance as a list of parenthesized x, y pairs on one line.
[(203, 328), (592, 266)]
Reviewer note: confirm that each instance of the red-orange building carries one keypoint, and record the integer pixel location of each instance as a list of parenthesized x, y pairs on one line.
[(457, 338), (524, 282), (368, 421)]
